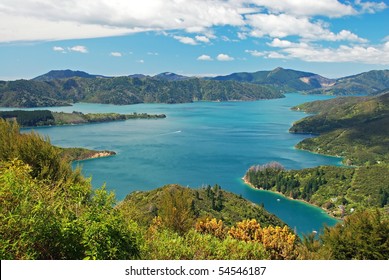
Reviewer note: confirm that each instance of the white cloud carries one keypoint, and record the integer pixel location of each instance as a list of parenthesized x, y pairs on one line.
[(80, 49), (203, 39), (224, 57), (32, 20), (284, 25), (330, 8), (58, 49), (255, 53), (371, 7), (116, 54), (186, 40), (242, 36), (140, 61), (280, 43), (153, 53), (205, 57), (317, 53), (53, 20)]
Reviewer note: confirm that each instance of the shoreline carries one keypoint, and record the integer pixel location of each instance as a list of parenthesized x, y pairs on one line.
[(287, 197)]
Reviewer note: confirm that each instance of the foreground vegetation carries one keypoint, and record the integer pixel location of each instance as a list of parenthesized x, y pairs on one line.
[(49, 211), (46, 117)]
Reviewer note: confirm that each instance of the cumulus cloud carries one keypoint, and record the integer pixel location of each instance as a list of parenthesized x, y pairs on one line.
[(224, 57), (205, 57), (153, 53), (116, 54), (185, 40), (203, 39), (317, 53), (330, 8), (26, 20), (58, 49), (284, 25), (80, 49), (371, 7), (255, 53)]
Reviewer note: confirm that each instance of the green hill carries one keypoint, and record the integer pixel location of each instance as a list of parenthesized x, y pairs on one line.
[(368, 83), (356, 128), (211, 202), (46, 117), (287, 80), (339, 190)]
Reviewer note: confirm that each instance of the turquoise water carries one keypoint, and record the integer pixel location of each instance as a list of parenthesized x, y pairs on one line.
[(198, 144)]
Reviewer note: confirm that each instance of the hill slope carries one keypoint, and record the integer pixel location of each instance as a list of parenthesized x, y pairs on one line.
[(356, 128), (205, 202), (282, 79), (368, 83)]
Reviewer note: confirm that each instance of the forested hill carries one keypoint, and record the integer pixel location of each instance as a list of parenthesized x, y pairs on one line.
[(211, 202), (126, 90), (368, 83), (287, 80), (356, 128), (46, 117)]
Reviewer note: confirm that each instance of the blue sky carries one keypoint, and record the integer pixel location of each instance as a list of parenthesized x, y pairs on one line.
[(199, 37)]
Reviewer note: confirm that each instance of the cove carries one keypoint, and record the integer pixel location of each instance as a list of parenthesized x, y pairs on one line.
[(198, 144)]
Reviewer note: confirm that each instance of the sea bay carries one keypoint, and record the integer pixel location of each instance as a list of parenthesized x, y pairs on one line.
[(197, 144)]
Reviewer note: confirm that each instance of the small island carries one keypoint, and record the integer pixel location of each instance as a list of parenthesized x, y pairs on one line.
[(47, 118)]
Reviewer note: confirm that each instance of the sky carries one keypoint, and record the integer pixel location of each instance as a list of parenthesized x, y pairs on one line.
[(193, 37)]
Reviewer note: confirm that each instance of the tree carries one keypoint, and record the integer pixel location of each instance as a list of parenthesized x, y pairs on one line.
[(175, 209)]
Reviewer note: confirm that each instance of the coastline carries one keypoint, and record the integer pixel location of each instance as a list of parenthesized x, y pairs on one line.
[(287, 197)]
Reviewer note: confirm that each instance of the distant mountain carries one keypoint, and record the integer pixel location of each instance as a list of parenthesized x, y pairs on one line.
[(280, 78), (126, 90), (139, 76), (65, 74), (168, 76), (369, 83)]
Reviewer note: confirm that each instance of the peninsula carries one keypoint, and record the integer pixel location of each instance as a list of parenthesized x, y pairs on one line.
[(46, 117)]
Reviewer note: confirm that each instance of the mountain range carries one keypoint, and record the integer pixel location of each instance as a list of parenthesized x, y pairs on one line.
[(64, 87)]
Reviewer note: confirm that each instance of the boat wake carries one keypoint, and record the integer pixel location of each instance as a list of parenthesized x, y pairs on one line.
[(174, 132)]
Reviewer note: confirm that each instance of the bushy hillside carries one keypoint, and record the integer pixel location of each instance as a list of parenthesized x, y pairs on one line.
[(356, 128), (369, 83), (339, 190), (287, 80)]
